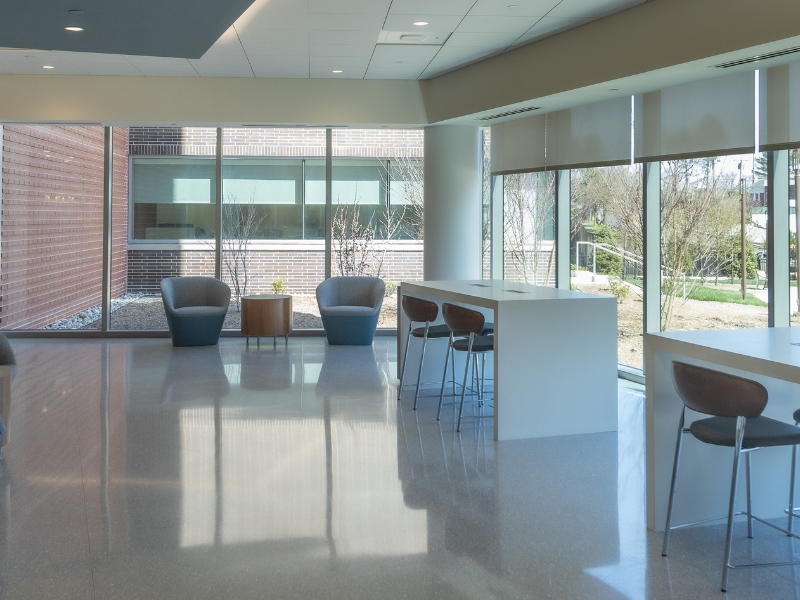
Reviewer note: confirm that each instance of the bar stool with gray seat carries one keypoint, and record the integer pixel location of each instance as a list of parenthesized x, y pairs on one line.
[(418, 310), (736, 405), (471, 323)]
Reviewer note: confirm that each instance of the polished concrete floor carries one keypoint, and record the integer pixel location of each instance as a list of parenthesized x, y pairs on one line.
[(138, 470)]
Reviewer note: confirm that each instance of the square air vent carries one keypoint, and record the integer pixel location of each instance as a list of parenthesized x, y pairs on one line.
[(413, 38)]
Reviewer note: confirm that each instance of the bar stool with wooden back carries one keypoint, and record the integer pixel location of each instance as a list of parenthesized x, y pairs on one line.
[(736, 405), (418, 310), (465, 322)]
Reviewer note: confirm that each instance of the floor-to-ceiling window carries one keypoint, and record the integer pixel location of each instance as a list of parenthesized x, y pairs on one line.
[(606, 247), (704, 203), (529, 228)]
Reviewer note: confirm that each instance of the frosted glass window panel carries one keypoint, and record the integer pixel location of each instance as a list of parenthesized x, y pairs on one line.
[(779, 115), (352, 192), (518, 145), (259, 191), (173, 181), (715, 117), (597, 134), (315, 192)]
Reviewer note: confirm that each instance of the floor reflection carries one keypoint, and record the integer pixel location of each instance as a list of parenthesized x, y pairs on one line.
[(138, 470)]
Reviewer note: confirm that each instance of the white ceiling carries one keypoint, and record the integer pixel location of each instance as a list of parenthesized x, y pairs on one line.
[(312, 38)]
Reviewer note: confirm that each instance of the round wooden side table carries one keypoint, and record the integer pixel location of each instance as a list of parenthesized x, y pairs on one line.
[(266, 315)]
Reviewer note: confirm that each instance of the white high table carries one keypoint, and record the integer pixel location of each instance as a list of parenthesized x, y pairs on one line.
[(766, 355), (555, 354)]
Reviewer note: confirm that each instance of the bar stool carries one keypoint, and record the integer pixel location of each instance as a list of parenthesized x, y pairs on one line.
[(736, 405), (418, 310), (465, 321), (792, 509)]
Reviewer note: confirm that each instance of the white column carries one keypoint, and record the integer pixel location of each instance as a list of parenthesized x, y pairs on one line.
[(452, 234)]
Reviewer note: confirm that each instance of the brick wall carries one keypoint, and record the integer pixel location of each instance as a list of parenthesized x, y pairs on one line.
[(302, 270), (52, 222), (269, 141)]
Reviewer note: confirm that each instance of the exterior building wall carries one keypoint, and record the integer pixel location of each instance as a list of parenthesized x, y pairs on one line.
[(51, 239), (301, 270), (277, 142)]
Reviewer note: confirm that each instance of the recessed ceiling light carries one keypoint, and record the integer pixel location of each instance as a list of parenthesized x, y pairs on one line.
[(48, 67), (420, 23), (74, 28), (75, 11), (337, 71)]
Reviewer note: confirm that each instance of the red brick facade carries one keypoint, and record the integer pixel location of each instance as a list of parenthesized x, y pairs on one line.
[(52, 222)]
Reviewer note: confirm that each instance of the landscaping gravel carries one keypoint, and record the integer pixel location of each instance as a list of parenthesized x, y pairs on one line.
[(139, 312)]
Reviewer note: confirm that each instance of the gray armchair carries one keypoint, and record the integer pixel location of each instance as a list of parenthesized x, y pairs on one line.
[(350, 307), (196, 308)]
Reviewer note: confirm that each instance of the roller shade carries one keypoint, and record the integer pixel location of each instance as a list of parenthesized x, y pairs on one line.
[(779, 118), (518, 145), (597, 134), (708, 118)]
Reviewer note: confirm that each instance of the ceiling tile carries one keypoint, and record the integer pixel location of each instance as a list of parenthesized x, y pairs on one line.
[(548, 26), (524, 8), (319, 37), (276, 36), (342, 49), (282, 71), (35, 68), (267, 62), (340, 62), (222, 70), (436, 23), (387, 56), (278, 6), (365, 7), (497, 39), (171, 70), (392, 73), (429, 7), (87, 57), (276, 50), (99, 68), (263, 22), (338, 21), (228, 44), (327, 73), (516, 25), (591, 8)]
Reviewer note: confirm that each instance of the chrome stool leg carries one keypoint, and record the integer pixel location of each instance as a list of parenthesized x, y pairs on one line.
[(675, 466), (421, 362), (444, 376), (466, 376), (749, 503), (734, 480), (405, 361), (791, 488)]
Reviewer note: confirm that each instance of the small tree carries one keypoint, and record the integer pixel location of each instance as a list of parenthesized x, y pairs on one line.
[(353, 241), (240, 223)]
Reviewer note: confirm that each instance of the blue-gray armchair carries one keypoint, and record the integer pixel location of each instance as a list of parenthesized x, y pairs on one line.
[(350, 307), (196, 308)]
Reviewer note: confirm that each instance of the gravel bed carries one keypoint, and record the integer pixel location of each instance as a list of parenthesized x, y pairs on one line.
[(147, 312)]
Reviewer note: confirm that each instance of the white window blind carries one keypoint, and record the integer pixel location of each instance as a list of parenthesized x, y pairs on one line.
[(596, 134), (779, 119), (708, 118), (518, 145)]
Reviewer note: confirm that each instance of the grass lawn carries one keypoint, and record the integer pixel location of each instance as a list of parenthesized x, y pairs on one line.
[(707, 294)]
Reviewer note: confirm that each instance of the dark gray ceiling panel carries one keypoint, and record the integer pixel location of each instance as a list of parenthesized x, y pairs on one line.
[(176, 28)]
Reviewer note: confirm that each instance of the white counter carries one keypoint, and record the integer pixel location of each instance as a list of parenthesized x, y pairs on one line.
[(766, 355), (555, 354)]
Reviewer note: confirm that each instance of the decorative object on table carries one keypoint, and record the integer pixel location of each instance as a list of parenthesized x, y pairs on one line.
[(735, 404), (196, 309), (266, 315), (350, 307)]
